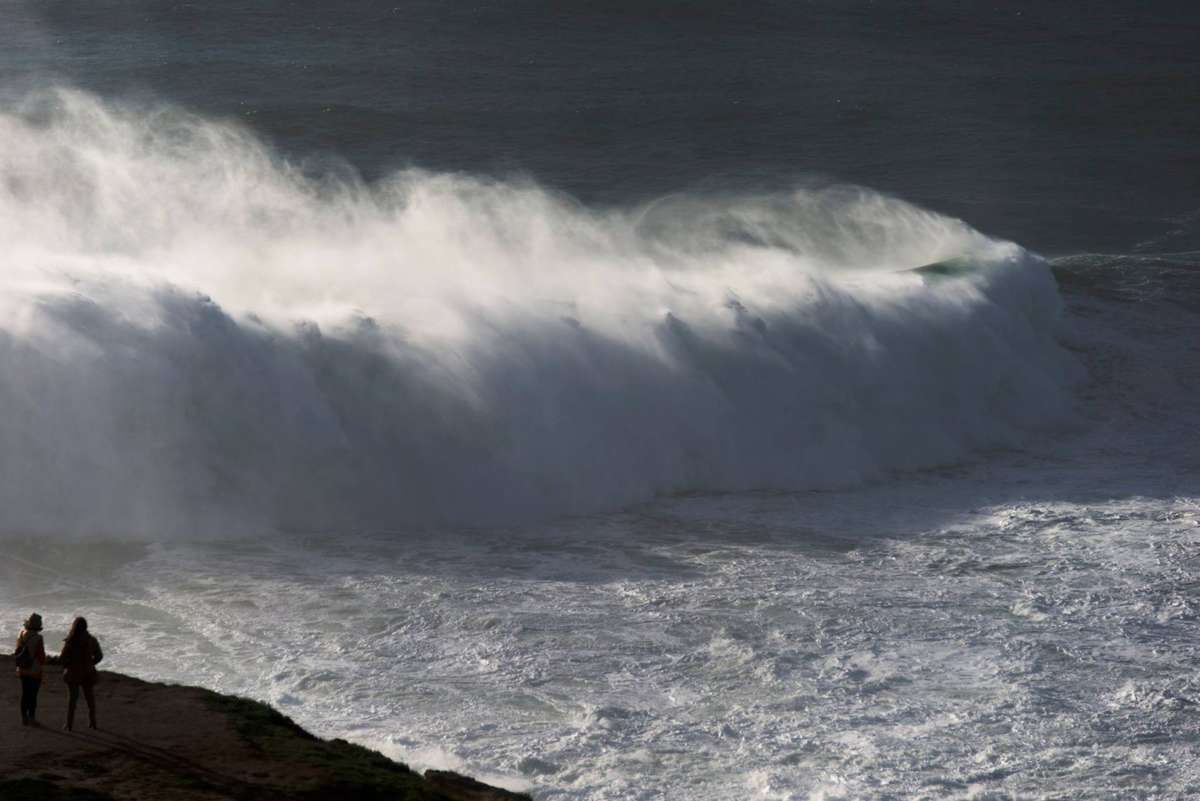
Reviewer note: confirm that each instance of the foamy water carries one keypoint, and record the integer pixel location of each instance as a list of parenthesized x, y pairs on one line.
[(953, 634)]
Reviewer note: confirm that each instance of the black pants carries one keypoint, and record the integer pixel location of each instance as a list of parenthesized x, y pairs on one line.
[(88, 696), (29, 691)]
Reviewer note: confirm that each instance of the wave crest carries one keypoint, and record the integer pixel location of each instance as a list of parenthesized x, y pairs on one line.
[(198, 337)]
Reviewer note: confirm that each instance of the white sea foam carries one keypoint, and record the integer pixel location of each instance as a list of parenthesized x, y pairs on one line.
[(197, 337), (857, 644)]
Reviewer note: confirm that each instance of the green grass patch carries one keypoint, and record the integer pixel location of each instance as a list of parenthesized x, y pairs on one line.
[(346, 770), (256, 722)]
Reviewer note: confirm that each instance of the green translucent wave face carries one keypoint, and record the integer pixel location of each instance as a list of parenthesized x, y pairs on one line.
[(948, 268)]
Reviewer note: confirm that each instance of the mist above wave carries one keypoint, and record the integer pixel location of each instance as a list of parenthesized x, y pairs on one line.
[(200, 338)]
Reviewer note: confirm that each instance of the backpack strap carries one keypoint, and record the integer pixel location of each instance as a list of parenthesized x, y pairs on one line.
[(28, 640)]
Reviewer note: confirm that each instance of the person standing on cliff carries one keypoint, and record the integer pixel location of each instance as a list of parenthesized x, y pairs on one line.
[(31, 658), (80, 655)]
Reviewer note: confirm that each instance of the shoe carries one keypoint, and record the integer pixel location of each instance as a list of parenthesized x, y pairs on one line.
[(67, 726), (24, 721)]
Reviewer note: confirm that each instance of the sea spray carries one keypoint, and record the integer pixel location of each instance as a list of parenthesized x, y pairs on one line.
[(198, 337)]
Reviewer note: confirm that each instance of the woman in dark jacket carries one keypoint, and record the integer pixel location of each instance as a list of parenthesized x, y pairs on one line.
[(31, 675), (80, 655)]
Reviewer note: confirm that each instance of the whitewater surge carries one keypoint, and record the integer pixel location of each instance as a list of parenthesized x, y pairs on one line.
[(199, 337)]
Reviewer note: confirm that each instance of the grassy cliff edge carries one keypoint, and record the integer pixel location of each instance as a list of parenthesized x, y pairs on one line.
[(158, 741)]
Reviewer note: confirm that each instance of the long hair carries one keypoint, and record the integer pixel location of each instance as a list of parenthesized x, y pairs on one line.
[(78, 632)]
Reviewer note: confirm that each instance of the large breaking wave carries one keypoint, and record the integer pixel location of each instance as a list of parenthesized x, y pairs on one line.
[(197, 337)]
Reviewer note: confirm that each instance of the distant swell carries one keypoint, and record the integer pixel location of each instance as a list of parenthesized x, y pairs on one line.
[(198, 338)]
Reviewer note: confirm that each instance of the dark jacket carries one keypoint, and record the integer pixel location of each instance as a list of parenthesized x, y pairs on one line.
[(79, 660)]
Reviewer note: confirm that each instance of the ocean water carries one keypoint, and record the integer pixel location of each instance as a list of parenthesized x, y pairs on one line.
[(565, 396)]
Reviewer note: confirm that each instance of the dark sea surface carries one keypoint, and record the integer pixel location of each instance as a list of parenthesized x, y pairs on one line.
[(622, 400), (1063, 127)]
